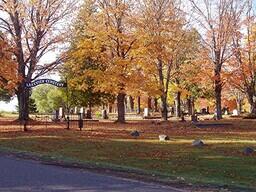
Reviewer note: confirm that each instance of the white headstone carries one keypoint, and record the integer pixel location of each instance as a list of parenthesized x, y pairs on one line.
[(75, 111), (82, 110), (61, 112), (146, 112), (235, 112)]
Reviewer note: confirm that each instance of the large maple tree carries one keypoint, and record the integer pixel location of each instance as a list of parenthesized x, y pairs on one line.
[(160, 30), (108, 41), (216, 20)]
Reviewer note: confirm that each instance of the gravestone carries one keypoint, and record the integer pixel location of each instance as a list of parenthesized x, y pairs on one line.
[(194, 118), (61, 113), (204, 111), (135, 134), (235, 112), (248, 151), (198, 143), (146, 112), (163, 138), (81, 110), (76, 110)]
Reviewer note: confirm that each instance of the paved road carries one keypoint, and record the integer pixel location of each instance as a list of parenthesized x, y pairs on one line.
[(17, 175)]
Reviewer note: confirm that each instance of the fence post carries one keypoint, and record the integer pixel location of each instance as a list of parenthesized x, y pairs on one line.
[(80, 121), (68, 122)]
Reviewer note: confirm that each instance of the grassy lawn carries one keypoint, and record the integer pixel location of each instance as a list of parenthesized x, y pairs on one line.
[(220, 163)]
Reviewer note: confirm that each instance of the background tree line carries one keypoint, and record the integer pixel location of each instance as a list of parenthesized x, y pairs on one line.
[(116, 48)]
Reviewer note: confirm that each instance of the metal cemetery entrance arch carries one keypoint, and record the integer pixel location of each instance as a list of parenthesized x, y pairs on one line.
[(61, 84), (46, 81)]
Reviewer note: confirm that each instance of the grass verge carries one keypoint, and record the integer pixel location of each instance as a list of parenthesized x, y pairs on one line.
[(220, 163)]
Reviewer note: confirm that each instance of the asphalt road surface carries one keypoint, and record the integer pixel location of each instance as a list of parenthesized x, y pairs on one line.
[(18, 175)]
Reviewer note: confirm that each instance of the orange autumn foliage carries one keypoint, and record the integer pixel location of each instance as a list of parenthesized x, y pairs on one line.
[(8, 69)]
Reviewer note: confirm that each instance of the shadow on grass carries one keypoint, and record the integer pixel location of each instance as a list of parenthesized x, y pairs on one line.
[(219, 164)]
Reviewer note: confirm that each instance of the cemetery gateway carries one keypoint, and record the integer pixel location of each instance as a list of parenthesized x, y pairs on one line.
[(45, 81)]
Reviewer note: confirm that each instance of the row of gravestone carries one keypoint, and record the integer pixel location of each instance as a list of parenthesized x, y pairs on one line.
[(195, 143), (86, 114), (60, 113)]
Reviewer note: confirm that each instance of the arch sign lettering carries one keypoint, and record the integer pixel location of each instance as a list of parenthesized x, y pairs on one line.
[(45, 81)]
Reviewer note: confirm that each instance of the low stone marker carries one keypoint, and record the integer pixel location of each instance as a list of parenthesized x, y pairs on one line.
[(163, 138), (198, 143), (135, 134), (248, 151)]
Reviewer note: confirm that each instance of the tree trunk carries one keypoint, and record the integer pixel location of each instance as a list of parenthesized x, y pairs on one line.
[(88, 114), (253, 108), (178, 104), (131, 103), (252, 103), (217, 91), (155, 105), (189, 105), (149, 103), (192, 106), (164, 107), (138, 101), (239, 106), (23, 102), (110, 109), (121, 107)]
